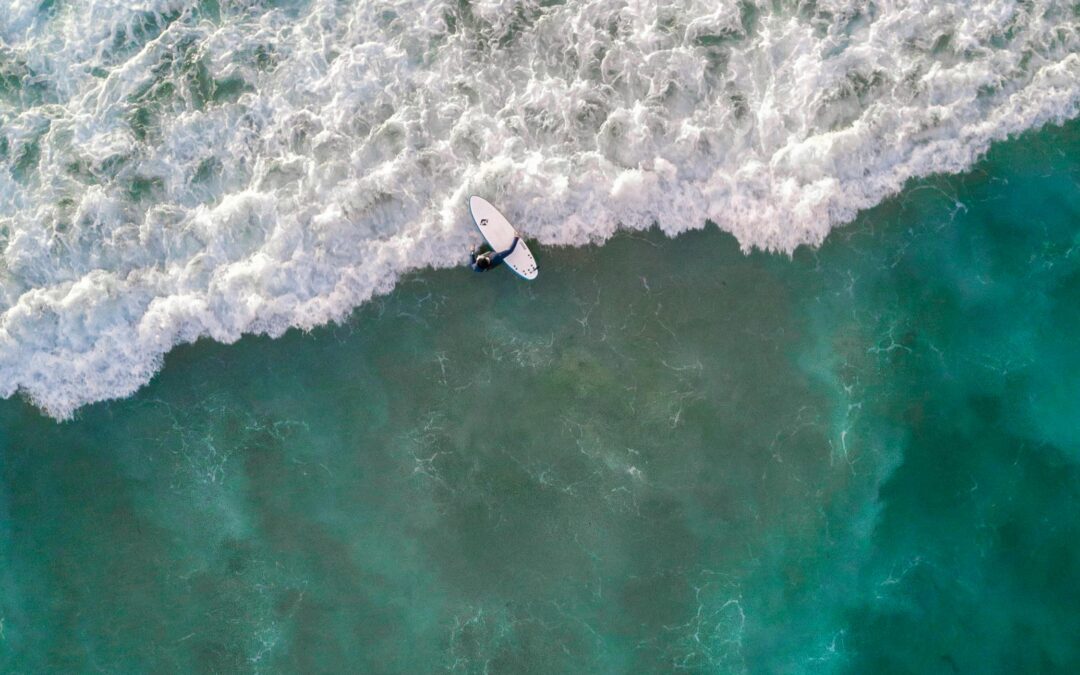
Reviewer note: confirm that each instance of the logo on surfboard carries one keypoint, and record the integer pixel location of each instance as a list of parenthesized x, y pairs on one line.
[(483, 222)]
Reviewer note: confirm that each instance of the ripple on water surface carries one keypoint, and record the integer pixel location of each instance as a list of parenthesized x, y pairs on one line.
[(662, 454)]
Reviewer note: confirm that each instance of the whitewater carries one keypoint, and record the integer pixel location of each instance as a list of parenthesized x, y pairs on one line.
[(174, 170)]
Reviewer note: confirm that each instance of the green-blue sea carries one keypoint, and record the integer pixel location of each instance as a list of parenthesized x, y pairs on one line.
[(664, 455)]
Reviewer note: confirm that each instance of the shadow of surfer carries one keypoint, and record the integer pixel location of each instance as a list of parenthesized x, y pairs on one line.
[(489, 259)]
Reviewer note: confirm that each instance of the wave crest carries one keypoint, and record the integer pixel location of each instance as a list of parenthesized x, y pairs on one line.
[(180, 169)]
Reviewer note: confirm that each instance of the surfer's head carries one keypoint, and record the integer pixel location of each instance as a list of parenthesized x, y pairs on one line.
[(483, 262)]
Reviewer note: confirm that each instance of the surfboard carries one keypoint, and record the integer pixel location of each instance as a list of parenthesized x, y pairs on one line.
[(500, 234)]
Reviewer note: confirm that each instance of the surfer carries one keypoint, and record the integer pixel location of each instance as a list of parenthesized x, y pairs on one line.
[(482, 262)]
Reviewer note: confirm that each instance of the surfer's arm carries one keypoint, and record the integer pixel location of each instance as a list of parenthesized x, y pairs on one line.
[(499, 256)]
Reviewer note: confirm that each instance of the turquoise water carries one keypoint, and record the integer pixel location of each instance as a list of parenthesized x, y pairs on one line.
[(172, 170), (664, 454)]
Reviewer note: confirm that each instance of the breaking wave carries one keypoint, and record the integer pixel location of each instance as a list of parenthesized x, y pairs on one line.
[(212, 168)]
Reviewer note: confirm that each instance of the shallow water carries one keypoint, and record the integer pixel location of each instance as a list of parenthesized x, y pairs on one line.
[(177, 169), (662, 454)]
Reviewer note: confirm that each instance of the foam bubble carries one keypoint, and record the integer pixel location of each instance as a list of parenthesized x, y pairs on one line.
[(180, 169)]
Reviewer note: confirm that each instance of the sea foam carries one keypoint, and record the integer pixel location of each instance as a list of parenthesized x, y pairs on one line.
[(182, 169)]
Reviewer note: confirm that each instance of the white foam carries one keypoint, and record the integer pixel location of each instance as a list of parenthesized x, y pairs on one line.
[(344, 139)]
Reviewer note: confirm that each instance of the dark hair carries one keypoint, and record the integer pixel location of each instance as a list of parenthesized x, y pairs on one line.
[(483, 262)]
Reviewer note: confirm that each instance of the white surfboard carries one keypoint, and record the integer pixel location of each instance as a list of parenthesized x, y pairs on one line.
[(500, 235)]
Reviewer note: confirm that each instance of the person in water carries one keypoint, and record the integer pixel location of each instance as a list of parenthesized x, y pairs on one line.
[(482, 262)]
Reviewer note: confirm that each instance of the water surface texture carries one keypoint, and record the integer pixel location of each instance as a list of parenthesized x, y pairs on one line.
[(171, 169), (665, 454), (768, 444)]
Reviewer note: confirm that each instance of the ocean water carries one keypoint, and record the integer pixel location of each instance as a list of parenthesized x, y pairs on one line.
[(664, 454), (183, 169), (796, 390)]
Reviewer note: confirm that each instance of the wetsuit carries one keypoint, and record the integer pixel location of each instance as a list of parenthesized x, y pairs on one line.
[(489, 260)]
